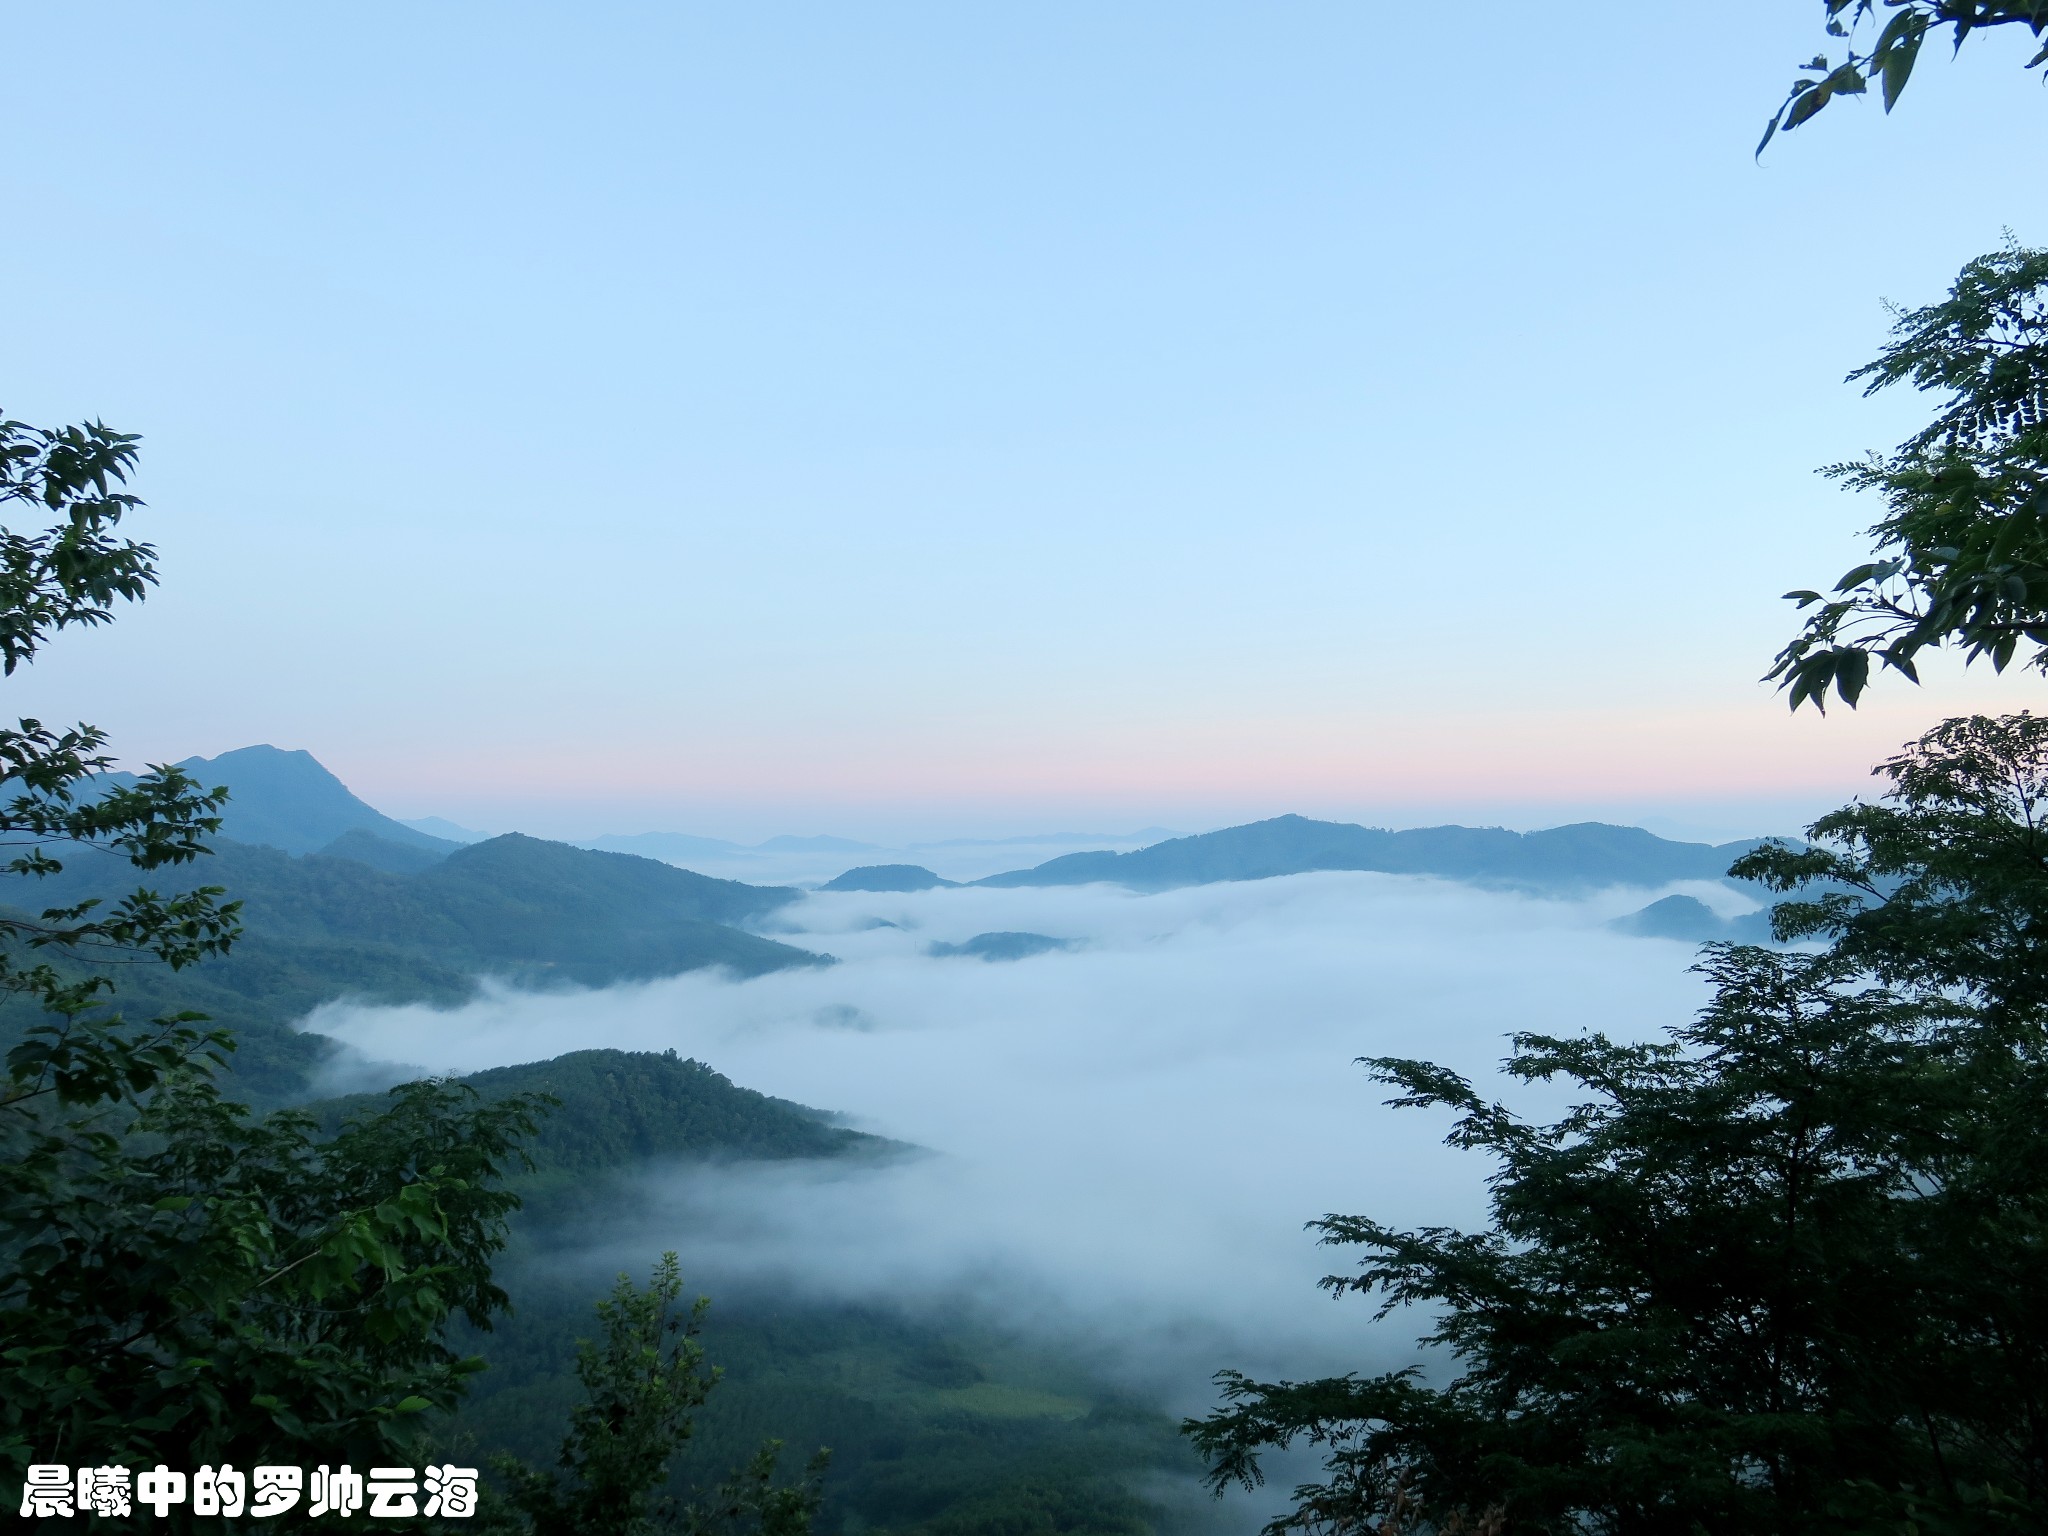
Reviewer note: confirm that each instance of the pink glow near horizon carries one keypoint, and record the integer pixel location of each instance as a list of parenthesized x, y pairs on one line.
[(1756, 752)]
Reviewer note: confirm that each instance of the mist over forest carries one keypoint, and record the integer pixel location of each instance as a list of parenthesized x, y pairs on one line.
[(1109, 1149), (1030, 1149), (1127, 1136), (1055, 770)]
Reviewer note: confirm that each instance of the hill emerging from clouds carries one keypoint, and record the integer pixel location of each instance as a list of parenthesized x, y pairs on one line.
[(887, 877), (619, 1108), (1580, 857), (340, 901), (343, 902)]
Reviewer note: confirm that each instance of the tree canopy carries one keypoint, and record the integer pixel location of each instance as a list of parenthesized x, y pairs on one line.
[(1962, 550), (1782, 1271), (1882, 43), (179, 1281), (64, 575)]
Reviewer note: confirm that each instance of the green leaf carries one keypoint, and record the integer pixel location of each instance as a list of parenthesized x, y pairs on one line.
[(1807, 103), (1852, 675), (1896, 58)]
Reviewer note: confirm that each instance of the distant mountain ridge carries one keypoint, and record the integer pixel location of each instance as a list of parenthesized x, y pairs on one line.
[(667, 846), (442, 827), (342, 902), (287, 799), (671, 846), (1586, 855), (1143, 835)]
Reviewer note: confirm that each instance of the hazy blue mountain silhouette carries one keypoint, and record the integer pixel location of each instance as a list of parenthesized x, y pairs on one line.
[(667, 846), (887, 877), (1001, 946), (581, 890), (442, 827), (1694, 922), (675, 846), (1144, 834), (1586, 855), (286, 799)]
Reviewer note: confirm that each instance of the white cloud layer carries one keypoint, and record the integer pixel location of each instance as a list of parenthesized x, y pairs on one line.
[(1130, 1134)]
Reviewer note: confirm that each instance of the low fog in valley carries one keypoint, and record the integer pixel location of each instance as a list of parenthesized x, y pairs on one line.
[(1122, 1139), (852, 660)]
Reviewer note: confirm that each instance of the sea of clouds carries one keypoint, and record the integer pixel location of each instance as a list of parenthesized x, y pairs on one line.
[(1126, 1137)]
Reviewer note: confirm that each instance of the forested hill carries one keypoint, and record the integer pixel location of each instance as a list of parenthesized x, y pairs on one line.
[(1587, 855), (620, 1108), (511, 901), (940, 1424), (321, 928)]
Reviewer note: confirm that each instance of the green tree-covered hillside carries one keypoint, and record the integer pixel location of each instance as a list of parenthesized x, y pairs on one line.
[(320, 928), (616, 1109), (939, 1423)]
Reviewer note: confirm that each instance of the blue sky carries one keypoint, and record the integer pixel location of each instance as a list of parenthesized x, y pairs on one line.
[(923, 419)]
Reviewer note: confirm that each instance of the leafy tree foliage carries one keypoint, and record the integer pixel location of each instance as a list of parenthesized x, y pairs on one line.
[(1944, 882), (66, 576), (177, 1280), (644, 1383), (1963, 546), (188, 1285), (1882, 43), (1783, 1271)]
